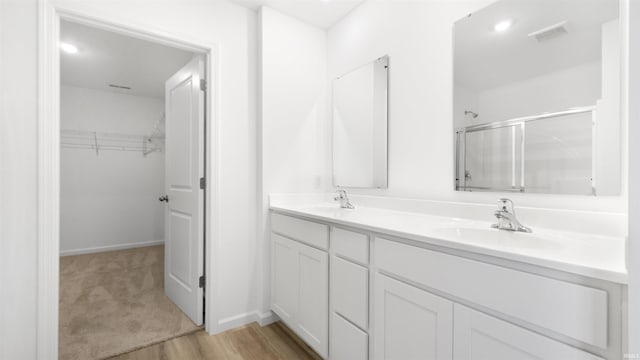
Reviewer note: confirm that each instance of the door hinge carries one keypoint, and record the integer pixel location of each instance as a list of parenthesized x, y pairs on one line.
[(203, 183), (201, 282), (203, 84)]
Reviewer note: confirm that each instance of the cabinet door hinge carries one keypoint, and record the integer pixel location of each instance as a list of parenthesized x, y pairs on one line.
[(201, 282), (203, 183), (203, 85)]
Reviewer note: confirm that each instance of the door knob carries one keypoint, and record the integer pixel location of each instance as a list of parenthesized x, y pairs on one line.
[(164, 198)]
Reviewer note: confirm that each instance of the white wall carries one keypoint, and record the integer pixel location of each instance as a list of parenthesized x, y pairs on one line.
[(608, 133), (109, 201), (417, 36), (292, 116), (633, 40), (233, 29), (18, 178), (230, 26)]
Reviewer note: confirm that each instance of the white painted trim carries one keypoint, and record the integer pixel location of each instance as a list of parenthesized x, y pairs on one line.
[(262, 319), (212, 206), (267, 318), (48, 242), (48, 213), (98, 249), (237, 321)]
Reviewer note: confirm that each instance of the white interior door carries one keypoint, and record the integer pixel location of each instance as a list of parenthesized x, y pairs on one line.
[(184, 166)]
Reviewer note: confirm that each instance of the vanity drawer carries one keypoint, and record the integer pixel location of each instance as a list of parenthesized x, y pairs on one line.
[(577, 311), (350, 245), (350, 291), (347, 341), (309, 232)]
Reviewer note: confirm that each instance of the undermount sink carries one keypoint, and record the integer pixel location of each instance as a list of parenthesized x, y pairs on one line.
[(456, 230), (490, 236), (328, 209), (324, 207)]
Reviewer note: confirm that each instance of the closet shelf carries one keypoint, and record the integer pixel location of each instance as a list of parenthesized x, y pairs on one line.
[(97, 141)]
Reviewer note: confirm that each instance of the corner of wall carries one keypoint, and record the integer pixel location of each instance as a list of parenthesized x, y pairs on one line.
[(292, 118)]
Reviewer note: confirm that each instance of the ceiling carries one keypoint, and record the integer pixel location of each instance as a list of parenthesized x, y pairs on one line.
[(321, 13), (105, 58), (485, 58)]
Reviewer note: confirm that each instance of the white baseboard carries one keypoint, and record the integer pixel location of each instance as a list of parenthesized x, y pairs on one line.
[(267, 318), (110, 248), (247, 318), (237, 321)]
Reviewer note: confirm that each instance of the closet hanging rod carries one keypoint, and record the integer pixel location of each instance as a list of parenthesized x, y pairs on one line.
[(109, 135), (83, 139), (144, 150), (101, 147)]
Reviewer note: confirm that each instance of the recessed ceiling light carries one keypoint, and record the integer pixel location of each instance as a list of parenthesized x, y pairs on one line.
[(502, 25), (68, 48)]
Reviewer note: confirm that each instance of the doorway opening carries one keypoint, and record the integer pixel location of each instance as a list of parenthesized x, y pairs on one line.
[(132, 191)]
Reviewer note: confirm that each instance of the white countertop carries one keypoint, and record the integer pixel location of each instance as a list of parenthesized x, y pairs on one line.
[(595, 256)]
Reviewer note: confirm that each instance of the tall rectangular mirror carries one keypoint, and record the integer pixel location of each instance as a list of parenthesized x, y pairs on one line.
[(537, 98), (360, 126)]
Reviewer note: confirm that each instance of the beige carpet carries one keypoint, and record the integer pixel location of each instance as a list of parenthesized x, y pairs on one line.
[(114, 302)]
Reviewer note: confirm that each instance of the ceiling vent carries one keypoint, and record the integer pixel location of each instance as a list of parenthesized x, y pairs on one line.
[(120, 87), (550, 32)]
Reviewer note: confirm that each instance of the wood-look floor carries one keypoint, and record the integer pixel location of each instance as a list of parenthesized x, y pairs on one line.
[(249, 342)]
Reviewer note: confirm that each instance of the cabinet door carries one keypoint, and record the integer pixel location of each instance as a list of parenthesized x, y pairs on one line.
[(312, 318), (284, 278), (410, 323), (480, 336)]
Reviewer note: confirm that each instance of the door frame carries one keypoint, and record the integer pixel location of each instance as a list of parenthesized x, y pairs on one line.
[(48, 198)]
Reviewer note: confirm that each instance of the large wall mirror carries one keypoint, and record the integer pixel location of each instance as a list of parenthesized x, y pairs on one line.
[(537, 98), (360, 126)]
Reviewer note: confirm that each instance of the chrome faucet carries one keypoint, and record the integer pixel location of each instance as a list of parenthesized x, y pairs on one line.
[(506, 215), (344, 200)]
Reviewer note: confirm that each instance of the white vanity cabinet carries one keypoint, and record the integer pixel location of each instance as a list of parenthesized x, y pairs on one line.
[(411, 323), (557, 308), (313, 281), (478, 336), (348, 342), (349, 295), (284, 277), (356, 294), (300, 279)]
